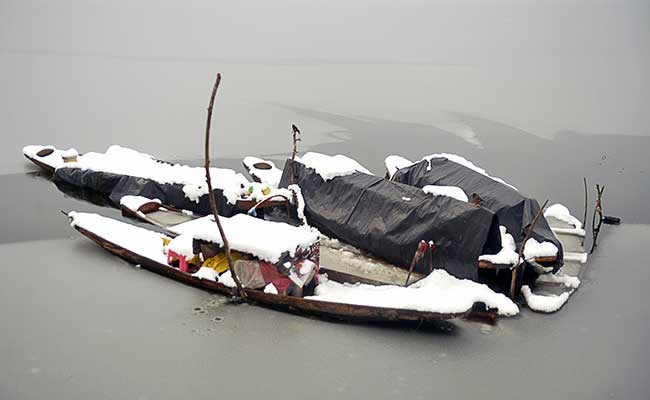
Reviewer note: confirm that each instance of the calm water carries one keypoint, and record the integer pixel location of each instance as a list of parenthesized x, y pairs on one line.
[(540, 94)]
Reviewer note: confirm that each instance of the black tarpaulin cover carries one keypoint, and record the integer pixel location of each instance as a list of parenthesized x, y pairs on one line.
[(515, 211), (389, 219), (115, 186)]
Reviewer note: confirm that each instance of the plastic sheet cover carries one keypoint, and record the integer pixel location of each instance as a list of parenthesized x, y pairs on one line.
[(389, 219)]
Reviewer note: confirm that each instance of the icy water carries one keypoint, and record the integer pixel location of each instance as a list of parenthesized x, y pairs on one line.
[(540, 94)]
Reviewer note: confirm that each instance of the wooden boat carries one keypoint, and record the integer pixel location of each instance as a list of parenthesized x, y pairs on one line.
[(45, 157), (299, 305), (49, 158), (382, 273)]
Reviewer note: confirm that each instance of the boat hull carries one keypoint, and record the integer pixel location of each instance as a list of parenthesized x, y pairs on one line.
[(297, 305)]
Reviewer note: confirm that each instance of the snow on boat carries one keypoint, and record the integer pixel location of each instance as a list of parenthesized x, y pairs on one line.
[(49, 157), (437, 297), (449, 174), (121, 171), (389, 220)]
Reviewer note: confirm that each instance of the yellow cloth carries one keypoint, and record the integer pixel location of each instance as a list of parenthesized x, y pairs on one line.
[(219, 262)]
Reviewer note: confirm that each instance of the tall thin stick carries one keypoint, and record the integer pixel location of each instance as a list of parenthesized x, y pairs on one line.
[(295, 136), (584, 217), (513, 280), (213, 203), (596, 224)]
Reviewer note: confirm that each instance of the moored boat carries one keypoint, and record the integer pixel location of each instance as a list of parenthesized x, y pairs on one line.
[(145, 248)]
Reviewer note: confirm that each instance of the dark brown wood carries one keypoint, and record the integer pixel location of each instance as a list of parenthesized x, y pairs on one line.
[(295, 138), (246, 205), (513, 278), (213, 203), (40, 164), (149, 207), (584, 217), (596, 223), (299, 305), (549, 259)]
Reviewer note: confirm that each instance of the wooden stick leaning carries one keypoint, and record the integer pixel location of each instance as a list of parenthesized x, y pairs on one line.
[(213, 204), (520, 257)]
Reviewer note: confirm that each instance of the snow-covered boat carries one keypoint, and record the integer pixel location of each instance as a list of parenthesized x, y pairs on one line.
[(438, 297), (121, 171), (454, 176)]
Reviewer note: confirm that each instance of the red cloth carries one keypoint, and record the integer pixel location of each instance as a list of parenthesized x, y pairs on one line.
[(271, 275)]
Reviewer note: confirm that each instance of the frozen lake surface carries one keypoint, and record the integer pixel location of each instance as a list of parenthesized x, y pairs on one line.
[(541, 107)]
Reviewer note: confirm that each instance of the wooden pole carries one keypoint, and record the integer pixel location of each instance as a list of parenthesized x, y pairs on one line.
[(513, 279), (584, 216), (213, 203), (598, 210), (419, 253), (295, 137)]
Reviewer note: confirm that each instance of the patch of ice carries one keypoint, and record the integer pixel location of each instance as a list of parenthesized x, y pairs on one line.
[(269, 177), (264, 239), (329, 167), (449, 191), (562, 213), (439, 292), (508, 254), (270, 288), (406, 198), (134, 203), (546, 304), (394, 163)]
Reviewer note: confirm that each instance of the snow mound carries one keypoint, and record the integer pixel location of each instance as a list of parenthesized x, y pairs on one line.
[(508, 254), (562, 213), (266, 240), (329, 167), (571, 282), (439, 292), (394, 163), (545, 304), (536, 249), (207, 274), (572, 256), (449, 191)]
